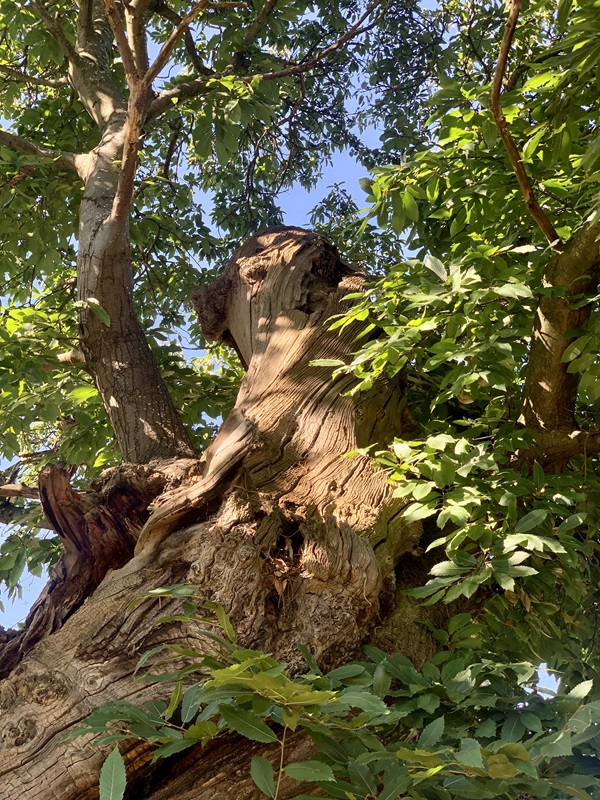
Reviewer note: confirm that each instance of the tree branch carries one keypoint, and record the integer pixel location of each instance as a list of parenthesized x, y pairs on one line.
[(565, 444), (59, 157), (509, 145), (131, 71), (137, 110), (136, 116), (168, 46), (54, 27), (32, 80), (257, 26), (161, 8), (136, 34), (19, 490), (196, 87)]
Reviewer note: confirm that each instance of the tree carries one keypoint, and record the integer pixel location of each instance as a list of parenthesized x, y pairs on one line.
[(393, 503)]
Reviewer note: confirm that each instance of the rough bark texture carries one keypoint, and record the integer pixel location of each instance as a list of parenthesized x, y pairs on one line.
[(301, 544)]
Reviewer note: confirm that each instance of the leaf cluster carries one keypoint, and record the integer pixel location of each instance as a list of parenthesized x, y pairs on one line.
[(457, 728)]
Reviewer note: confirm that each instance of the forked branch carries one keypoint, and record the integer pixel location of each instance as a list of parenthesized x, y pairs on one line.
[(168, 47), (131, 71), (514, 156)]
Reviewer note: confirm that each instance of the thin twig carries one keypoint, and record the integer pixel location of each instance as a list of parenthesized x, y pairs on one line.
[(163, 10), (513, 154), (351, 33), (168, 46), (281, 757), (198, 86)]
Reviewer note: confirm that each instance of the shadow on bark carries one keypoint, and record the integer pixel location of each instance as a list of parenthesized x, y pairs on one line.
[(300, 543)]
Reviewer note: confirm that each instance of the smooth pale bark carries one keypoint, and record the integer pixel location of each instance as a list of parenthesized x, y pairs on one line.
[(300, 543), (135, 397)]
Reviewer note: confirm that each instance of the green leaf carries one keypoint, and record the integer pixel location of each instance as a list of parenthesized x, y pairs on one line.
[(97, 310), (499, 766), (581, 690), (309, 771), (83, 393), (262, 775), (347, 671), (112, 777), (514, 290), (411, 207), (531, 520), (559, 744), (432, 733), (247, 724), (470, 753)]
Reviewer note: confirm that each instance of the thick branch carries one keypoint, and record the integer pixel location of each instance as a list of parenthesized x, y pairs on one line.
[(60, 157), (513, 154), (32, 80), (136, 116), (561, 445), (136, 33), (90, 68)]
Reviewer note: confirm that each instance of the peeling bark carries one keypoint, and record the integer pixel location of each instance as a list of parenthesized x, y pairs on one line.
[(300, 543)]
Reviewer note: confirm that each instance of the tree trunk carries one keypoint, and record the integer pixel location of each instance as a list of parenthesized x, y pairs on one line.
[(143, 417), (301, 543)]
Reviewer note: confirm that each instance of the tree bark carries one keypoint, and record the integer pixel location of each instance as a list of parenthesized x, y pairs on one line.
[(299, 542), (144, 419)]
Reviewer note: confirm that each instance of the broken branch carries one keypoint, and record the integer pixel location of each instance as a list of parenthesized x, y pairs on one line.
[(19, 490)]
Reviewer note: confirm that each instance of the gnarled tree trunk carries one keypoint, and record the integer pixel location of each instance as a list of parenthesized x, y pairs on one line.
[(301, 543)]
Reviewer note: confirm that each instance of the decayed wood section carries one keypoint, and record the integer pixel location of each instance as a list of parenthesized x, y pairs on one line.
[(300, 543)]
